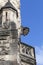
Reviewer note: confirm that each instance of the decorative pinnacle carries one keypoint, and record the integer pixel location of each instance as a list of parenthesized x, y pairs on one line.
[(8, 0)]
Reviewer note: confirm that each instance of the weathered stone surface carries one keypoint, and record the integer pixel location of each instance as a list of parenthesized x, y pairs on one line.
[(8, 63), (12, 51)]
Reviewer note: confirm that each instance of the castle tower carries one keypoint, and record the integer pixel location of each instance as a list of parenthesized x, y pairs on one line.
[(15, 4), (12, 50)]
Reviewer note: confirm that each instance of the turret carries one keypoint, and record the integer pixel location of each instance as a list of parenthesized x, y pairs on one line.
[(8, 14)]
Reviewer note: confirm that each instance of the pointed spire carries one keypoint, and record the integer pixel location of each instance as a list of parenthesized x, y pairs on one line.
[(8, 0)]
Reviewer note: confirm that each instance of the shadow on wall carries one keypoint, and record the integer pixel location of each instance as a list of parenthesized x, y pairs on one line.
[(14, 31)]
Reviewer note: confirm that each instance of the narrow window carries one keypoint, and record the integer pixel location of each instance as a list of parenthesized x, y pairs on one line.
[(0, 18), (6, 17)]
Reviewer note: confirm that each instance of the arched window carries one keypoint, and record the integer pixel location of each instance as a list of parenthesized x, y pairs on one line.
[(23, 49)]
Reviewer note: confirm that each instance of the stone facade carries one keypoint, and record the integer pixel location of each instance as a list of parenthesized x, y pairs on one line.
[(27, 54), (12, 14), (12, 50)]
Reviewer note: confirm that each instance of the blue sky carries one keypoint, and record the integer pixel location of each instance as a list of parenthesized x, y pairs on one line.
[(32, 17)]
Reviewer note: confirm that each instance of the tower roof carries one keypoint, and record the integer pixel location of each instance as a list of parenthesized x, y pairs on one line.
[(9, 5)]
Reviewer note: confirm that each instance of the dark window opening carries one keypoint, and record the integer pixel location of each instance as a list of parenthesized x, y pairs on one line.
[(6, 16), (0, 19)]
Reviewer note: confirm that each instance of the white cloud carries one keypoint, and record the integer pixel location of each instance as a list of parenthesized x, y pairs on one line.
[(39, 55)]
